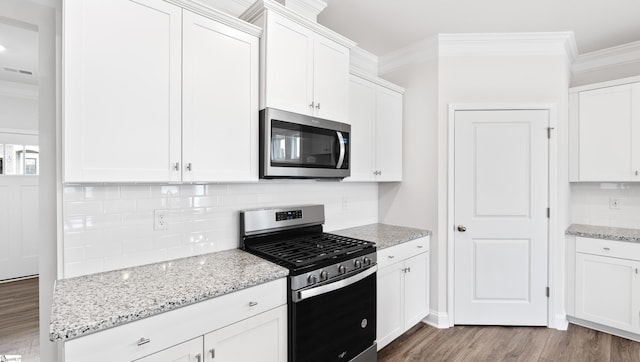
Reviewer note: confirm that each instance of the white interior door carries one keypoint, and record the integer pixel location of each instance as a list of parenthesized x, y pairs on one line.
[(501, 200)]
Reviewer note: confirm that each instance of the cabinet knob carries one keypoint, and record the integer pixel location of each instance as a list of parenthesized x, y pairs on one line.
[(143, 340), (462, 228), (253, 304)]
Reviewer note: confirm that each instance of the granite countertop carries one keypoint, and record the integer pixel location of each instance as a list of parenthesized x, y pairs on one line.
[(383, 235), (604, 232), (92, 303)]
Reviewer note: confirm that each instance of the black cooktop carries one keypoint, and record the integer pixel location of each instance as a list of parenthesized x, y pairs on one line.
[(310, 250)]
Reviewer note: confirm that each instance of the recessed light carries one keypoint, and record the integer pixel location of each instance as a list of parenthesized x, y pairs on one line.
[(2, 48)]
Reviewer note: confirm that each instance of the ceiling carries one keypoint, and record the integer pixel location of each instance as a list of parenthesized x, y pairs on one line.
[(382, 26)]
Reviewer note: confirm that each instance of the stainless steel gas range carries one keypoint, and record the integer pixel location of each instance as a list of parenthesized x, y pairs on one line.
[(332, 282)]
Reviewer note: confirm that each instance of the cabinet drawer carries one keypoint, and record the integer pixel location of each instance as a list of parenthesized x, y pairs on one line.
[(611, 248), (171, 328), (402, 251)]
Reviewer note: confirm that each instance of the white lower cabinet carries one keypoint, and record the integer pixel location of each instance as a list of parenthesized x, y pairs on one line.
[(266, 335), (607, 284), (403, 289), (224, 326), (190, 351)]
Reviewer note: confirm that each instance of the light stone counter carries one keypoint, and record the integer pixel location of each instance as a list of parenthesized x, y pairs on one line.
[(92, 303), (604, 232), (383, 235)]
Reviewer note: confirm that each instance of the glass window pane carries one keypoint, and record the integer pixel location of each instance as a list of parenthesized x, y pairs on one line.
[(14, 159), (31, 160)]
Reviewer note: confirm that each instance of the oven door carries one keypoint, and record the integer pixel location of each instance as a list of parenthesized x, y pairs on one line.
[(336, 321), (299, 146)]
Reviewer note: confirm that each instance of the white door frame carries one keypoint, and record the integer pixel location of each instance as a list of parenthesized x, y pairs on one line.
[(553, 270)]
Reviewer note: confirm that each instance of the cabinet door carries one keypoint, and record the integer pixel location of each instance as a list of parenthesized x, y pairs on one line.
[(122, 103), (605, 134), (190, 351), (220, 102), (635, 132), (390, 300), (416, 286), (331, 80), (388, 134), (607, 291), (362, 116), (289, 65), (259, 338)]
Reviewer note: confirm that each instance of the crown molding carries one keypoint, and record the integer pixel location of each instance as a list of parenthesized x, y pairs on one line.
[(508, 44), (206, 8), (306, 8), (607, 58), (231, 7), (377, 80), (362, 60), (422, 51), (256, 10)]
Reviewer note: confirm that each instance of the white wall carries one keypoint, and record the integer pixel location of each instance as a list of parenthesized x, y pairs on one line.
[(18, 107), (504, 79), (414, 201), (111, 227)]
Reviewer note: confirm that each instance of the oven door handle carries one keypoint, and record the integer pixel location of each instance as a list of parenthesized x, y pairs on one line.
[(309, 293)]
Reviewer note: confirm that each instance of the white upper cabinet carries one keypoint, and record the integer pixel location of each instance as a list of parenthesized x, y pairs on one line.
[(605, 132), (375, 114), (122, 90), (220, 102), (304, 66), (155, 93)]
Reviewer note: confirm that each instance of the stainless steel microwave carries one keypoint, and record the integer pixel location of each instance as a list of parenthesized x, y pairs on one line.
[(294, 145)]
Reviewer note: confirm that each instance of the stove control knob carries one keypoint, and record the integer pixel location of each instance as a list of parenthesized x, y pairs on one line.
[(357, 263), (312, 279), (324, 275), (367, 261), (342, 269)]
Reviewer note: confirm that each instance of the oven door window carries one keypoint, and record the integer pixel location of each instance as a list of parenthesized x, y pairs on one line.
[(335, 326), (295, 145)]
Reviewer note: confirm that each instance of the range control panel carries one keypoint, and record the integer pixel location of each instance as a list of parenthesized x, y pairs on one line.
[(288, 215)]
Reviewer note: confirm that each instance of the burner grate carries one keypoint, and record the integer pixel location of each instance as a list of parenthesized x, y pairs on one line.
[(310, 249)]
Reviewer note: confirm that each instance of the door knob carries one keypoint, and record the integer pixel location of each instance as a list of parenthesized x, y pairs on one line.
[(462, 228)]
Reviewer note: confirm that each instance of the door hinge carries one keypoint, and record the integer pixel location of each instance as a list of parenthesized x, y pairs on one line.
[(549, 129), (547, 292), (548, 212)]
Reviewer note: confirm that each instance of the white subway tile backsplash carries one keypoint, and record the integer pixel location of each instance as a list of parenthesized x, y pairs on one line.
[(590, 204), (112, 227)]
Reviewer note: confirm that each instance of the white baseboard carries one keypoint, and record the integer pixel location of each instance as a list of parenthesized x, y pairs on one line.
[(560, 323), (438, 320)]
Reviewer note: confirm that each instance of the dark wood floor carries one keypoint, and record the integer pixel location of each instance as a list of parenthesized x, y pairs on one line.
[(19, 319), (481, 343)]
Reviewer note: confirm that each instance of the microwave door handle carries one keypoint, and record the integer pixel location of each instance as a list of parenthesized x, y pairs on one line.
[(342, 149)]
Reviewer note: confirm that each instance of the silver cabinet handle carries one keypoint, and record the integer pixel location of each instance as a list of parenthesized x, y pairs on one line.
[(176, 166), (212, 352), (637, 172), (188, 166), (253, 304), (198, 357), (342, 149), (462, 228), (409, 269), (420, 246), (607, 249), (143, 340), (391, 256), (318, 105), (311, 105)]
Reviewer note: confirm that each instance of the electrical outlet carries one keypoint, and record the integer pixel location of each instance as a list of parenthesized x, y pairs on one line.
[(614, 203), (160, 220)]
